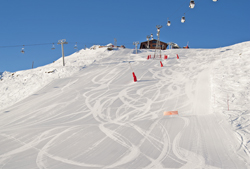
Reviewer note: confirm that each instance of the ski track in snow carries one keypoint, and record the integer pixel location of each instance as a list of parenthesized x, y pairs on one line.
[(99, 118)]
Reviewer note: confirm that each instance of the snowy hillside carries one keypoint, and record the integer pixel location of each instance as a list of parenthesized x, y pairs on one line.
[(16, 86), (90, 113)]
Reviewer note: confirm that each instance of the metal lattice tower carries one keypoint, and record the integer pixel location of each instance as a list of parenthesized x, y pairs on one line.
[(157, 54)]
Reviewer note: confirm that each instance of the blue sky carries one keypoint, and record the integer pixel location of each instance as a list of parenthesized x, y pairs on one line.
[(87, 22)]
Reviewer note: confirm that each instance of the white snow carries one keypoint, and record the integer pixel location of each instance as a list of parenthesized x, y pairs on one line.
[(90, 113), (16, 86)]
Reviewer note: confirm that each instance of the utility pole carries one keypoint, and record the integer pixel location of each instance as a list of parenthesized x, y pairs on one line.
[(62, 41), (136, 43)]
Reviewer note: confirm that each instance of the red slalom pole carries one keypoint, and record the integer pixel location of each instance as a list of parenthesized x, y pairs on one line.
[(148, 57), (161, 64), (135, 79), (177, 56), (165, 56)]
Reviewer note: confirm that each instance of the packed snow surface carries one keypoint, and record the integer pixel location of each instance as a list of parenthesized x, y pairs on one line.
[(91, 114)]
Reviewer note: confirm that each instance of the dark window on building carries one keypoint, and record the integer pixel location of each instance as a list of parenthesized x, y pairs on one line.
[(154, 41)]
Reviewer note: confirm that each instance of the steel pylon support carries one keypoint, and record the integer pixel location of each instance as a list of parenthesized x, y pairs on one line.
[(61, 42), (135, 43), (157, 54)]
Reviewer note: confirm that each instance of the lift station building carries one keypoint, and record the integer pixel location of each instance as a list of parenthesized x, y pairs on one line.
[(152, 44)]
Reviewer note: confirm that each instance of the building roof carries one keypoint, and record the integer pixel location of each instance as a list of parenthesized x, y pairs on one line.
[(153, 40)]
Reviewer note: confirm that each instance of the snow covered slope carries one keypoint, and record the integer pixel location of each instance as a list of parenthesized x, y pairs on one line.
[(15, 86), (95, 116)]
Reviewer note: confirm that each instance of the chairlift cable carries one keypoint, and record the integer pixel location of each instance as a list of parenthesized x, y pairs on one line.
[(25, 45), (177, 9), (196, 2)]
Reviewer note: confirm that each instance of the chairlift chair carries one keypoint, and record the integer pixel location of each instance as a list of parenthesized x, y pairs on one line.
[(53, 47), (75, 47), (152, 36), (169, 23), (22, 51), (191, 4), (183, 19)]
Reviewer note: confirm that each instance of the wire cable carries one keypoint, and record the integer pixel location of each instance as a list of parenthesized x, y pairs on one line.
[(177, 10), (25, 45)]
